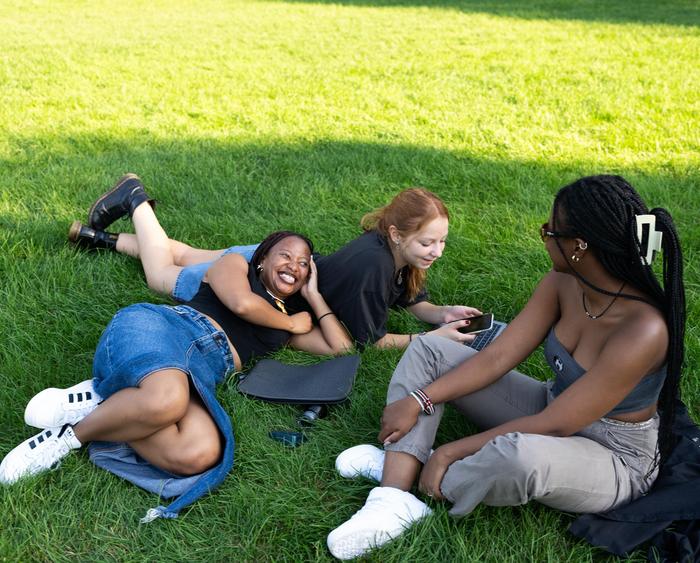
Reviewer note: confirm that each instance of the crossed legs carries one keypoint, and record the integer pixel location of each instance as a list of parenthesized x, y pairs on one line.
[(182, 254), (162, 258), (162, 420)]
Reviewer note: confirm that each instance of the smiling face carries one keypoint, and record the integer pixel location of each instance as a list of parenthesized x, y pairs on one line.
[(422, 248), (285, 267)]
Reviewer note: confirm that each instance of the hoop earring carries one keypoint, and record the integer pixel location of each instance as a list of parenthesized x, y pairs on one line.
[(583, 246), (575, 258)]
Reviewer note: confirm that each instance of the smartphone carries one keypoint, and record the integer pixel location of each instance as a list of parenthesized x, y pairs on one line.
[(480, 323), (288, 438)]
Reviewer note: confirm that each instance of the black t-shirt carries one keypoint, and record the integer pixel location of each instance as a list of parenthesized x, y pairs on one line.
[(248, 339), (359, 284)]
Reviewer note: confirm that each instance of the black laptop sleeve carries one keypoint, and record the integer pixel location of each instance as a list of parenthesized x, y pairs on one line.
[(326, 382)]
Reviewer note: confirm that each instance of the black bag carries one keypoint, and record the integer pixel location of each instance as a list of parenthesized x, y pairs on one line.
[(325, 383)]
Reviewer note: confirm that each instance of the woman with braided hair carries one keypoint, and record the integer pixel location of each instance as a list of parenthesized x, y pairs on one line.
[(590, 439)]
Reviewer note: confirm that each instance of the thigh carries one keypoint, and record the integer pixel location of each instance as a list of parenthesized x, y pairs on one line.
[(425, 360), (187, 256), (164, 278), (514, 395), (430, 357), (574, 474), (178, 447)]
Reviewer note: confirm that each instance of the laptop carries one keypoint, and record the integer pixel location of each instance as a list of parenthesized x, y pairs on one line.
[(483, 339)]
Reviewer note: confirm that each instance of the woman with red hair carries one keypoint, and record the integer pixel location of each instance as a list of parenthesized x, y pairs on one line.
[(384, 267)]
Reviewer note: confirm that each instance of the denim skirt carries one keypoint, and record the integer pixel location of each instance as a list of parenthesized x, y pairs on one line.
[(145, 338), (190, 278)]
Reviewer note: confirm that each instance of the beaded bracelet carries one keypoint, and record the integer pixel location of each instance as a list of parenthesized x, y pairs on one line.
[(424, 401)]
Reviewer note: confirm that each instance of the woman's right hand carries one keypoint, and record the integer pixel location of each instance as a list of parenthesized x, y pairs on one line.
[(450, 330), (310, 288), (301, 323), (398, 419)]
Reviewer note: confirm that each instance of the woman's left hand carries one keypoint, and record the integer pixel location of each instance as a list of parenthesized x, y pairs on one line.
[(456, 312), (433, 472), (311, 286)]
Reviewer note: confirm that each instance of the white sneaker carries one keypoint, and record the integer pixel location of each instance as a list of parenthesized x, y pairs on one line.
[(364, 460), (385, 515), (55, 407), (38, 453)]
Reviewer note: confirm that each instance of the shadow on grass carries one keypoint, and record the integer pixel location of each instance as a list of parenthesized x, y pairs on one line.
[(672, 12), (243, 183), (215, 193)]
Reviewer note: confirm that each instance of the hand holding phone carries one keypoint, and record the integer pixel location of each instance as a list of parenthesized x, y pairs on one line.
[(480, 323)]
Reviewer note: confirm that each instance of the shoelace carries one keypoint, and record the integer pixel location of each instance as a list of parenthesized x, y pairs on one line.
[(52, 448), (80, 408)]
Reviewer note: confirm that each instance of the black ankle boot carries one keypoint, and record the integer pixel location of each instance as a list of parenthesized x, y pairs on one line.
[(125, 196), (91, 239)]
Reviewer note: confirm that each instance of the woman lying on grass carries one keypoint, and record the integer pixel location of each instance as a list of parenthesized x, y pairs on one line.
[(588, 441), (156, 366), (384, 267)]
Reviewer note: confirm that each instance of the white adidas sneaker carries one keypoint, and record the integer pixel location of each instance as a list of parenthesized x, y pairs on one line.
[(387, 513), (38, 453), (54, 407)]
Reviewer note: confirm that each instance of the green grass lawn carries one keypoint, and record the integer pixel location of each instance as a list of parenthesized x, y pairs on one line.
[(250, 116)]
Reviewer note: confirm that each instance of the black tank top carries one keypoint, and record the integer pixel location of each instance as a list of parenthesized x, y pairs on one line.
[(248, 339)]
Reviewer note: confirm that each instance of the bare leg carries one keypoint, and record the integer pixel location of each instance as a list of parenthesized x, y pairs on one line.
[(154, 250), (400, 470), (134, 413), (161, 420), (183, 254), (188, 447)]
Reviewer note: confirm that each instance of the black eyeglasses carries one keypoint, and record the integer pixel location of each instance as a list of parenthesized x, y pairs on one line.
[(545, 233)]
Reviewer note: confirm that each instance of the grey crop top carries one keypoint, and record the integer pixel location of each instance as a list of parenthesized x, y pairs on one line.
[(566, 371)]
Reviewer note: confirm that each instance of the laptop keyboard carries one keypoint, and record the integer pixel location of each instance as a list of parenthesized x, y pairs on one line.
[(485, 338)]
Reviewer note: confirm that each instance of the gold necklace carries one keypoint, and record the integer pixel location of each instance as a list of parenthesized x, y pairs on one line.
[(279, 302), (594, 317)]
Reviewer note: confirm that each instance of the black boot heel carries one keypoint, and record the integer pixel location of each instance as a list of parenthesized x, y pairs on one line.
[(91, 239), (121, 200)]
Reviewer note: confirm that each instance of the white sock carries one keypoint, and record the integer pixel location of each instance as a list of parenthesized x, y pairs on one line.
[(70, 438)]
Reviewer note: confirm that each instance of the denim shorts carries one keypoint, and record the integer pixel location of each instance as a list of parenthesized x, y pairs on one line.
[(190, 278), (144, 338)]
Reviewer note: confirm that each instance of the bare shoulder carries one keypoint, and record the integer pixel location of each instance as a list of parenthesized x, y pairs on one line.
[(645, 324), (643, 332), (558, 282), (232, 266)]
